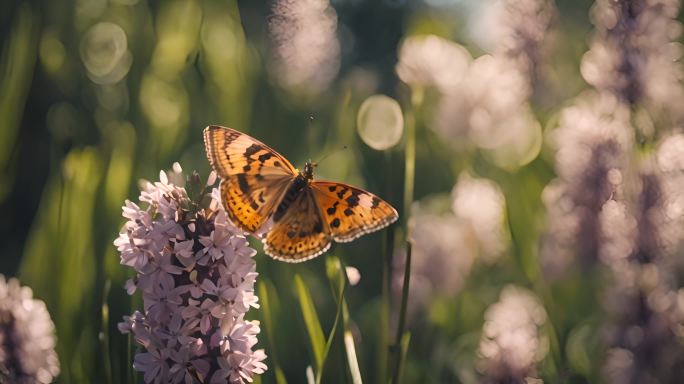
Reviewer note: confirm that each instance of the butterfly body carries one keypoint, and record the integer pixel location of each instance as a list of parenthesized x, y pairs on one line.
[(300, 182), (262, 191)]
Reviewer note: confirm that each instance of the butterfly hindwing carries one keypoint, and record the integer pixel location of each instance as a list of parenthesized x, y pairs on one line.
[(254, 176), (351, 212), (300, 233), (249, 201)]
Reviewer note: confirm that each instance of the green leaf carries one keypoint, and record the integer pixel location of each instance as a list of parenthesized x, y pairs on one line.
[(267, 317), (337, 276), (313, 325)]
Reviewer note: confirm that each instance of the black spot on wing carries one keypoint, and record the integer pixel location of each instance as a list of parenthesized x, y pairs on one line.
[(332, 188), (341, 193), (331, 210), (252, 149), (375, 202), (265, 156), (242, 183), (353, 200), (348, 212), (335, 223)]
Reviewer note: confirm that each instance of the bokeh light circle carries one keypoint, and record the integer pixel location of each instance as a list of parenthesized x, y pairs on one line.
[(104, 52), (380, 122)]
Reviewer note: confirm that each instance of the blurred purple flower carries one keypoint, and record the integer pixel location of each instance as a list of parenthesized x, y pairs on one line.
[(479, 107), (635, 54), (517, 30), (432, 61), (197, 277), (27, 336), (646, 307), (511, 344), (592, 142), (489, 106), (489, 109), (481, 203), (305, 45), (446, 242)]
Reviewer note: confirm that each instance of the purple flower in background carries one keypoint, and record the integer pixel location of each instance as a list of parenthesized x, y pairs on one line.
[(592, 142), (306, 50), (646, 307), (634, 54), (488, 106), (511, 344), (449, 234), (197, 275), (27, 336), (517, 30), (432, 61)]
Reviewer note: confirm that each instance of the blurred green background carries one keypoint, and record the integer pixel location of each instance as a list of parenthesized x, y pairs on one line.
[(99, 94)]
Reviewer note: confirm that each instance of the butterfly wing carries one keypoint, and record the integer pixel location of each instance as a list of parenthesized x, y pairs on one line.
[(300, 233), (351, 212), (254, 176)]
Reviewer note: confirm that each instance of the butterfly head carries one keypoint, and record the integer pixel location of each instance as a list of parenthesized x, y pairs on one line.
[(307, 173)]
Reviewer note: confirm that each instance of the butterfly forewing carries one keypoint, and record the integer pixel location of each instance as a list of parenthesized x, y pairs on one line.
[(254, 176), (351, 212), (300, 233), (230, 151)]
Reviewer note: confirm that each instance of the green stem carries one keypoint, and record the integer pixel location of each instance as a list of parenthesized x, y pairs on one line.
[(331, 336), (104, 334), (383, 344), (410, 163), (409, 184), (402, 318)]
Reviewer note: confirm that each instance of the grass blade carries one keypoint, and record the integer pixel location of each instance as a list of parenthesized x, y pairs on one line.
[(331, 336), (313, 325), (351, 357), (264, 299), (403, 350), (337, 277)]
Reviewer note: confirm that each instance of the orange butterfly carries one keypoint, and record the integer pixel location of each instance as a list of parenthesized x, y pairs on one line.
[(259, 184)]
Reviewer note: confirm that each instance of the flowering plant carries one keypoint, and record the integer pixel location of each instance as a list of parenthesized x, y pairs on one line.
[(27, 336), (196, 274)]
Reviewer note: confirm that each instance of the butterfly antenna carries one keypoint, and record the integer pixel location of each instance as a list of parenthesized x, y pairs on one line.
[(344, 147)]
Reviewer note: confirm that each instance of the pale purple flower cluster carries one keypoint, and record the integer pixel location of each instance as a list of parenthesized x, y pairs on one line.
[(305, 46), (623, 210), (592, 142), (27, 337), (449, 234), (634, 53), (485, 104), (518, 30), (512, 344), (646, 306), (197, 275), (432, 61)]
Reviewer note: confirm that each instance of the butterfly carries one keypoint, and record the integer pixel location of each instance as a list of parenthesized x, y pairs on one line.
[(261, 189)]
